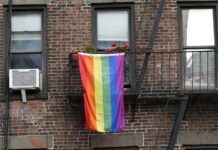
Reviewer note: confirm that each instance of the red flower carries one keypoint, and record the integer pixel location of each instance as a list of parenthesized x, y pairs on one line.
[(125, 47), (110, 50), (124, 43), (117, 51), (114, 44), (77, 51), (106, 50)]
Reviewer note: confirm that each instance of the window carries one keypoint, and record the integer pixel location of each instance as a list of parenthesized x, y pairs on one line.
[(198, 42), (28, 49), (113, 23)]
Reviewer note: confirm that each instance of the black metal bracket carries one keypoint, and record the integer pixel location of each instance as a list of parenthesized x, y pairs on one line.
[(133, 107), (70, 74), (177, 123)]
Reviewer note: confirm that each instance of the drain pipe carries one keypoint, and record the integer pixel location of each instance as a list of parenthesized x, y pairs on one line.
[(7, 117)]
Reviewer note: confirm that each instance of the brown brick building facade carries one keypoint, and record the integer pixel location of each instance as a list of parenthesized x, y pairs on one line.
[(54, 121)]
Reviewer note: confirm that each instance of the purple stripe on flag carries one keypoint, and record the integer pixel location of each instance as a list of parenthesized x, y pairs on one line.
[(120, 86)]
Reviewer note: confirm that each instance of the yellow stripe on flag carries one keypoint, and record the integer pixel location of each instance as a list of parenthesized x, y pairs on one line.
[(99, 93)]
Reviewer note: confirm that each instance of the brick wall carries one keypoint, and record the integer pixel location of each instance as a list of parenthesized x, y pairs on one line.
[(69, 28)]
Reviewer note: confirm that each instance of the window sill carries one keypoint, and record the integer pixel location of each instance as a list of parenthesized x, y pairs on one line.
[(37, 96), (26, 2)]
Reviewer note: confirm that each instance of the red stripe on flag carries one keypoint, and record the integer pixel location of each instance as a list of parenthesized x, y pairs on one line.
[(82, 63)]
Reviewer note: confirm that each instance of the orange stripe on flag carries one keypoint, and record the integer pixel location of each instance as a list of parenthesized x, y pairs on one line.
[(91, 91)]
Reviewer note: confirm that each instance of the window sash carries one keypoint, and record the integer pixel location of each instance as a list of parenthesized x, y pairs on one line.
[(102, 43), (26, 42), (113, 25)]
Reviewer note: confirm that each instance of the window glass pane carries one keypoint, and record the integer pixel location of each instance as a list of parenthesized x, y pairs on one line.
[(26, 22), (26, 42), (127, 70), (112, 26), (199, 69), (198, 27), (26, 61)]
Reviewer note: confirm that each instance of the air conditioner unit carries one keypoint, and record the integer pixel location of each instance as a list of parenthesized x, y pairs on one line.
[(24, 78)]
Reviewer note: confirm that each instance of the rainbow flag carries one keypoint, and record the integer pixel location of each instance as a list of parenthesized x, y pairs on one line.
[(103, 82)]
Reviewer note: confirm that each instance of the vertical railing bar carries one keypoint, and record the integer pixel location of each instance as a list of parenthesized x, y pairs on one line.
[(200, 70), (207, 70), (178, 71), (184, 56), (146, 79), (154, 68), (215, 69), (161, 70), (169, 70), (192, 73)]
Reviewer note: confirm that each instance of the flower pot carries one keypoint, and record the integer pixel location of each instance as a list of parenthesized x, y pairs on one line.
[(75, 59)]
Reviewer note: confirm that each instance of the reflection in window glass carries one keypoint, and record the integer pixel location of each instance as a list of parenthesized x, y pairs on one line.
[(200, 70), (26, 42), (198, 27), (26, 61)]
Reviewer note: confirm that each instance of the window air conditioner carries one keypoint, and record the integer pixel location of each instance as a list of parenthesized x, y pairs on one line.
[(24, 78)]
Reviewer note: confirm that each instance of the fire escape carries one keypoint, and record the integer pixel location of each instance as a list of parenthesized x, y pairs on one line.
[(160, 75)]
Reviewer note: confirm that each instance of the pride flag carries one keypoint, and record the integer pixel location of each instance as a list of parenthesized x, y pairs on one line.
[(103, 82)]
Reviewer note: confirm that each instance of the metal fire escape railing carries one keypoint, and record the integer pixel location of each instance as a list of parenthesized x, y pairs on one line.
[(168, 74)]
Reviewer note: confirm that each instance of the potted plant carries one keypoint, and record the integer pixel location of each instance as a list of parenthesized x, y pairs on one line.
[(117, 49)]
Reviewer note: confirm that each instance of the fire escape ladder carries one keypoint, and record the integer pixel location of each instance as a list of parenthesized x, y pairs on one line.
[(147, 56), (150, 46), (178, 120)]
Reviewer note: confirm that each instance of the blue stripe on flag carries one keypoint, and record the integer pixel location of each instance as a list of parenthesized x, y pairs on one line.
[(114, 92)]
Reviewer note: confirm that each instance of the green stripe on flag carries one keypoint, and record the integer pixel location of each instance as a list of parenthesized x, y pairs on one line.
[(106, 93)]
